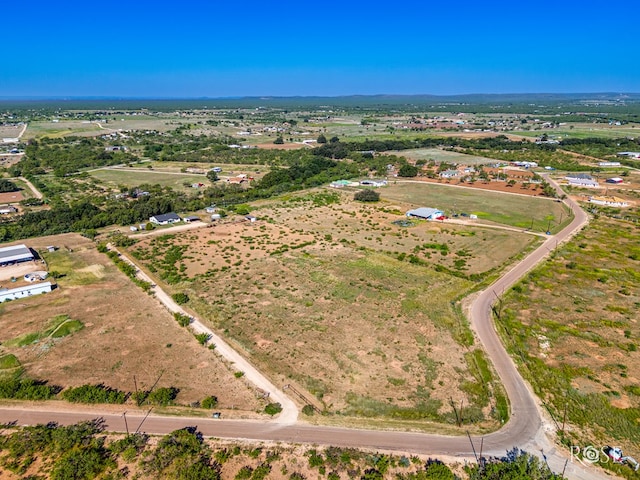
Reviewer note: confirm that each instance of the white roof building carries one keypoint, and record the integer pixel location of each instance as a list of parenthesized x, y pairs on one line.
[(15, 254), (425, 213)]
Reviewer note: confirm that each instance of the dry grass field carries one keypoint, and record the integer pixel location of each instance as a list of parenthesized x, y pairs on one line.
[(331, 296), (126, 333), (573, 323)]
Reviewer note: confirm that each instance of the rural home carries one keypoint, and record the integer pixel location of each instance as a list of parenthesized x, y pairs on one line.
[(373, 183), (449, 174), (192, 218), (425, 213), (15, 254), (581, 180), (629, 154), (6, 209), (22, 292), (609, 201), (165, 219)]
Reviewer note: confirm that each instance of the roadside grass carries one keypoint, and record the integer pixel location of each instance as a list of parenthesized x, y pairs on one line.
[(571, 326), (513, 210), (9, 362)]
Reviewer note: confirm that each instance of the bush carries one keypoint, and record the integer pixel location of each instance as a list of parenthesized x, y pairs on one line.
[(94, 394), (209, 402), (180, 298), (273, 409), (202, 338), (183, 320), (408, 170), (163, 396), (367, 195), (308, 410), (278, 141)]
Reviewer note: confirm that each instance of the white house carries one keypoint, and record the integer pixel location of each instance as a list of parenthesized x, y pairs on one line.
[(449, 174), (425, 213), (22, 292), (373, 183), (609, 201), (165, 219)]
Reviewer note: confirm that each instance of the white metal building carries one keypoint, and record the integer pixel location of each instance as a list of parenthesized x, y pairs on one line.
[(15, 254), (22, 292)]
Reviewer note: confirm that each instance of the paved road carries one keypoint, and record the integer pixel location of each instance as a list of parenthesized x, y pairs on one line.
[(526, 428)]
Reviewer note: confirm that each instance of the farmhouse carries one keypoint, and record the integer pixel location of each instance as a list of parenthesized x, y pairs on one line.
[(5, 209), (629, 154), (425, 213), (15, 254), (609, 201), (22, 292), (449, 174), (373, 183), (165, 219), (581, 180)]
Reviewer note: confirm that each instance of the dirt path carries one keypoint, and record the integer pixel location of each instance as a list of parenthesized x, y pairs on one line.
[(289, 413), (37, 193)]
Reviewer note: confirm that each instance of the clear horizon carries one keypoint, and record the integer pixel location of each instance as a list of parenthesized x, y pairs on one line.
[(197, 50)]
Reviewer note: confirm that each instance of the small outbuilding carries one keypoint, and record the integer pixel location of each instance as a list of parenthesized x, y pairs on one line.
[(192, 218), (22, 292), (616, 180)]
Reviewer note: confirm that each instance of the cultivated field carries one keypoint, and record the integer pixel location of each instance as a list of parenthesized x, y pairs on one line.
[(331, 296), (573, 326), (126, 334)]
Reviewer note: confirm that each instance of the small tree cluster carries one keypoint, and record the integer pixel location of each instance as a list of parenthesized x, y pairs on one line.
[(367, 195)]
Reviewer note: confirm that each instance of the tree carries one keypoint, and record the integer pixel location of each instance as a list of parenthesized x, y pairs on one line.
[(212, 176), (7, 186), (278, 141), (408, 170), (367, 195), (209, 402), (273, 409), (322, 138), (334, 140), (180, 298)]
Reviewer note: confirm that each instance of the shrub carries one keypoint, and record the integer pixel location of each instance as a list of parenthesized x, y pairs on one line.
[(180, 298), (273, 409), (183, 320), (308, 410), (209, 402), (163, 396), (367, 195), (94, 394), (202, 338)]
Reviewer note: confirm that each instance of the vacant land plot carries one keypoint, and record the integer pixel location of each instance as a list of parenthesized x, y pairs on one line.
[(134, 177), (333, 297), (440, 156), (573, 326), (10, 131), (127, 338), (514, 210), (11, 197)]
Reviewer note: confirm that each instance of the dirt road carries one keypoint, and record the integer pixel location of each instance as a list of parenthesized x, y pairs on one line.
[(527, 427), (289, 413)]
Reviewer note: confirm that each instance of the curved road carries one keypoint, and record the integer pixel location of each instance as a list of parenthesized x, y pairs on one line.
[(526, 428)]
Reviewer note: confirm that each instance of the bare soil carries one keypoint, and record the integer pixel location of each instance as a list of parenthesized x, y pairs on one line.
[(11, 197), (127, 334)]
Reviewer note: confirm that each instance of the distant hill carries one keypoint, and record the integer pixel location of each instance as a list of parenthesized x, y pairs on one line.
[(350, 102)]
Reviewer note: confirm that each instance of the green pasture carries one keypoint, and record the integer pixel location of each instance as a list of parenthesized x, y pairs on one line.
[(132, 177), (443, 156), (507, 209)]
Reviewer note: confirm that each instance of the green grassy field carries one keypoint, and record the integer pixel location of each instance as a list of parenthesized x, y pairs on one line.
[(513, 210), (572, 326), (135, 177), (443, 156)]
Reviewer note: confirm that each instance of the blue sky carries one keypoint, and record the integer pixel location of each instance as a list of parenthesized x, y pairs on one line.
[(217, 49)]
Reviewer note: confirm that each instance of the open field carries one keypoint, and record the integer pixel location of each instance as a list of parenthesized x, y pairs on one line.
[(438, 156), (126, 334), (10, 131), (297, 290), (62, 128), (514, 210), (133, 177), (573, 327)]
